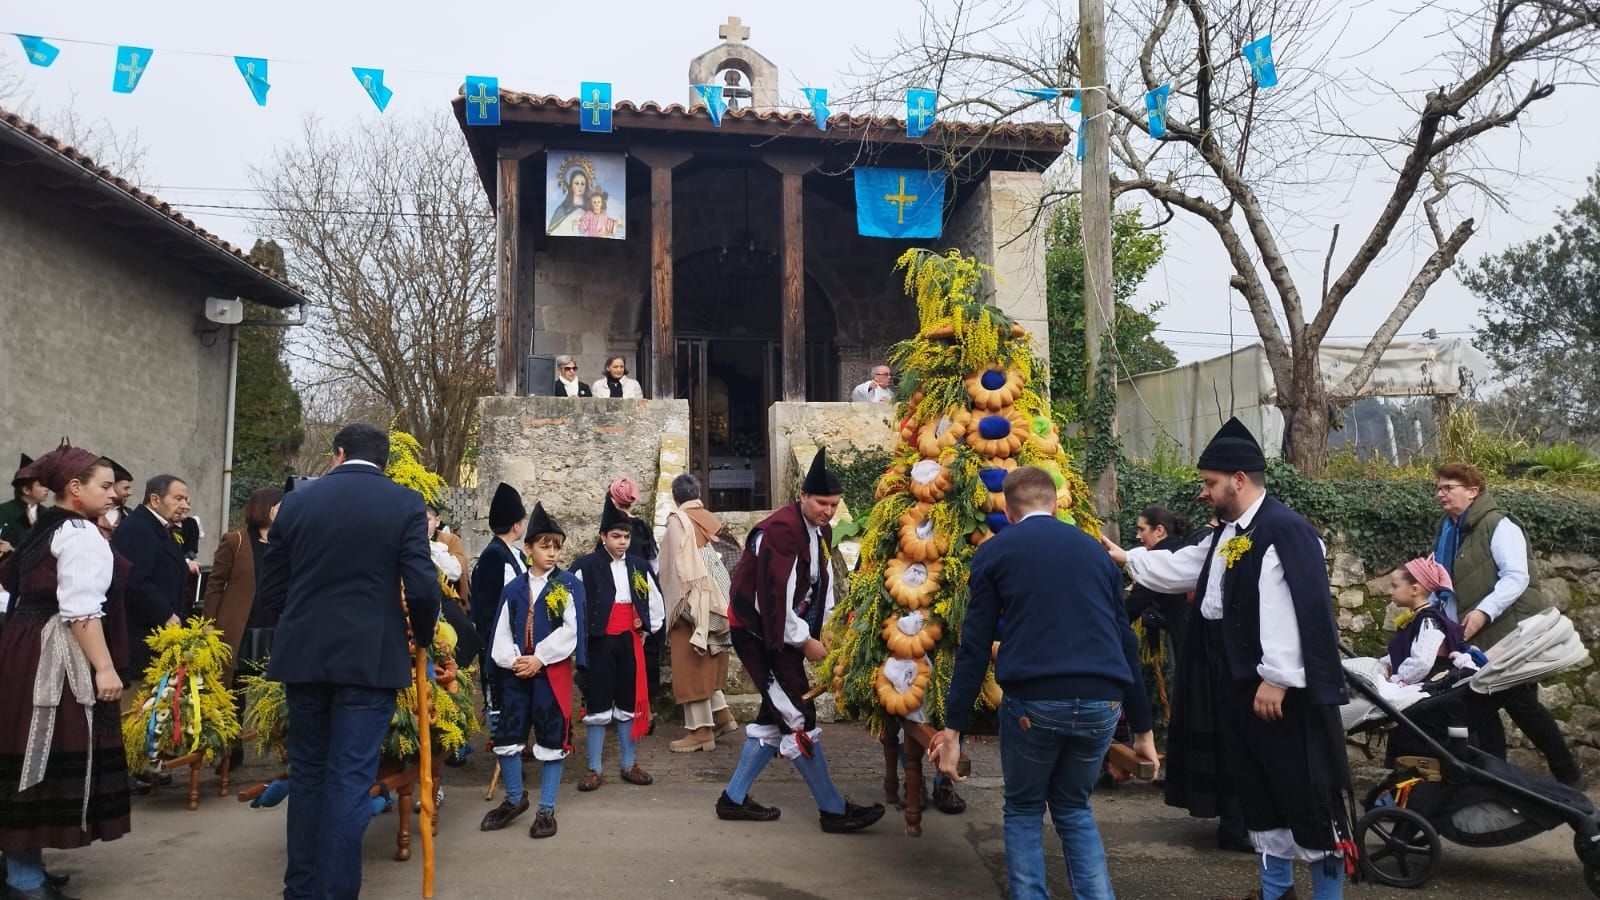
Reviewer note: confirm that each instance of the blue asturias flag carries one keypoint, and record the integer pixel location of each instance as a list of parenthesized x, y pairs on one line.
[(594, 99), (1155, 107), (1042, 93), (1258, 53), (254, 70), (899, 203), (131, 63), (40, 51), (921, 107), (818, 98), (372, 82), (483, 100), (715, 104)]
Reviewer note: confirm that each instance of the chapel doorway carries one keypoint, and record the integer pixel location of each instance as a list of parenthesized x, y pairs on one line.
[(729, 365)]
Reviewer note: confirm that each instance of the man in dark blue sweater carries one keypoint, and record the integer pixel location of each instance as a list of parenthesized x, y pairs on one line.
[(1068, 663)]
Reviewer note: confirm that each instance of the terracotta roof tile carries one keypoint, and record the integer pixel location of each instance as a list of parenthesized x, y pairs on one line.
[(1039, 133), (135, 195)]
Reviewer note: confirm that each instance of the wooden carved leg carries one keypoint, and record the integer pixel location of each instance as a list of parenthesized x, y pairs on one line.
[(913, 760), (194, 784), (891, 768), (402, 840), (225, 771)]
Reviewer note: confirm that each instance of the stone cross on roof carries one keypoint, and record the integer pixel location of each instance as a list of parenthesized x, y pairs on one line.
[(734, 32)]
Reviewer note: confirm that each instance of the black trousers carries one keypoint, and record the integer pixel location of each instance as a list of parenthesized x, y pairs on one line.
[(1522, 704), (611, 680)]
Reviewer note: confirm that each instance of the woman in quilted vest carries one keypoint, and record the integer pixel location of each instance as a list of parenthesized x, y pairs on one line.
[(1486, 554)]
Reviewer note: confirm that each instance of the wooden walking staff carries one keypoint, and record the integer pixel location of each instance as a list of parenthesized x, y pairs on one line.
[(419, 676), (425, 742)]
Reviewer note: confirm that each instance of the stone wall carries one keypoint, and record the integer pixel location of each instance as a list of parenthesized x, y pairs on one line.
[(98, 342), (842, 428), (566, 452), (1572, 583)]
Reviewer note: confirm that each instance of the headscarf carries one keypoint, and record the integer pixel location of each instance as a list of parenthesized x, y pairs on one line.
[(57, 468), (1429, 574), (624, 492)]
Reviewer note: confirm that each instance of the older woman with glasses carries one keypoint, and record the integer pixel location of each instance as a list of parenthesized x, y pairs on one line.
[(1486, 553), (567, 383)]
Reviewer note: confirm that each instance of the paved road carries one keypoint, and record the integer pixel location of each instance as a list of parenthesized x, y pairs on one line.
[(664, 841)]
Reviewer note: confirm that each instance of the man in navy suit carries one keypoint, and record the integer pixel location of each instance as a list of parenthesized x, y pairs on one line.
[(337, 556), (1068, 663), (160, 573)]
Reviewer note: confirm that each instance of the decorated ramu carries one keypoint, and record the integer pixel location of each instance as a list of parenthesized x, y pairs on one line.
[(970, 411)]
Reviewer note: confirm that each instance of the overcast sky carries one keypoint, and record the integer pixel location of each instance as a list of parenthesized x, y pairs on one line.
[(203, 132)]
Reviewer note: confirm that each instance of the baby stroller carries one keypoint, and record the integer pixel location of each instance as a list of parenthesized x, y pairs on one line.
[(1442, 787)]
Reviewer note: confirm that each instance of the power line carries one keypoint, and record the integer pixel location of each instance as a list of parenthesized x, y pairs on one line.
[(331, 212)]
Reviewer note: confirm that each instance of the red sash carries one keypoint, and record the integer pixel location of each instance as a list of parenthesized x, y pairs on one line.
[(560, 675), (621, 622)]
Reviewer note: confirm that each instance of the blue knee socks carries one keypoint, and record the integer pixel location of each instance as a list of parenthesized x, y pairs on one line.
[(596, 744), (1277, 876), (511, 777), (625, 741), (752, 759), (549, 781), (24, 869), (1327, 879), (815, 772)]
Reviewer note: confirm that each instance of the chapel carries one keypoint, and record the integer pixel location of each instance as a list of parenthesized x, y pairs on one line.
[(723, 261)]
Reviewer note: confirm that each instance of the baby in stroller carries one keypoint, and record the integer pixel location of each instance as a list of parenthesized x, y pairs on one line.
[(1441, 785)]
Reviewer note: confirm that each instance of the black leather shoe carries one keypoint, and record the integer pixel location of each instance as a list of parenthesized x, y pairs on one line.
[(748, 811), (503, 815), (947, 801), (544, 824), (46, 891), (854, 818)]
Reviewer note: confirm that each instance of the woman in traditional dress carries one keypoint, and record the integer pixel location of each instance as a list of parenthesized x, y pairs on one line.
[(231, 594), (63, 776)]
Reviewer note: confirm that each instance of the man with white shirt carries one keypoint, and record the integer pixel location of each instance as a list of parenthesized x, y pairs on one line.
[(622, 600), (500, 563), (1486, 554), (875, 389), (782, 593), (1256, 713)]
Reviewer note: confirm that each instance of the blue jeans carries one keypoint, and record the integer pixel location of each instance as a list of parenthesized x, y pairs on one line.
[(335, 737), (1053, 760)]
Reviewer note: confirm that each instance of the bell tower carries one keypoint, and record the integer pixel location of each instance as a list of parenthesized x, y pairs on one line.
[(750, 80)]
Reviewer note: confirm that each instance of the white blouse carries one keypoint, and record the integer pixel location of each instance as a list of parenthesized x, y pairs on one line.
[(83, 570)]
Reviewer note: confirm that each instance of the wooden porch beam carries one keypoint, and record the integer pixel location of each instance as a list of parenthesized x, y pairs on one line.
[(663, 360), (792, 170)]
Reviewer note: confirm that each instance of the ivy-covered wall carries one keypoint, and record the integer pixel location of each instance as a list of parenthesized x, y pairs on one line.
[(1373, 526)]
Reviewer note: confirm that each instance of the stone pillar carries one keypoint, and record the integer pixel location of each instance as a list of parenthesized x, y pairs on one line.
[(996, 225)]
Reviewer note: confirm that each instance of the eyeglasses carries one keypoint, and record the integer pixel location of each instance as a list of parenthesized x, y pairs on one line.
[(1447, 488), (569, 368)]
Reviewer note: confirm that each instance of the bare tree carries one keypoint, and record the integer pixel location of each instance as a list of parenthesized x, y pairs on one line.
[(120, 151), (388, 231), (1237, 157)]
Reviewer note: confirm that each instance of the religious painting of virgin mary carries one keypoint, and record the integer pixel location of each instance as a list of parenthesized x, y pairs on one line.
[(586, 194)]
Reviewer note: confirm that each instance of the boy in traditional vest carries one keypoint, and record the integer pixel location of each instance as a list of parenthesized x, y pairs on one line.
[(538, 635)]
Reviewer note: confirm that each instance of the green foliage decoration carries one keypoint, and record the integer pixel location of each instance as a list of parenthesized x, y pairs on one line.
[(958, 337)]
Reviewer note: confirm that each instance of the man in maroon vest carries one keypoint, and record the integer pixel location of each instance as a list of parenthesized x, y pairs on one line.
[(780, 597)]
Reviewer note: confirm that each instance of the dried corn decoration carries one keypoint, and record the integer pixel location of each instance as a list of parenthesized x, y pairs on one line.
[(969, 412)]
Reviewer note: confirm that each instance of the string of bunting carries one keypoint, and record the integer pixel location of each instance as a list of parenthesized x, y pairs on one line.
[(482, 92)]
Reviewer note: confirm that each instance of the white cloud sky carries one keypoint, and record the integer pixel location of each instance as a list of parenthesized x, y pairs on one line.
[(203, 132)]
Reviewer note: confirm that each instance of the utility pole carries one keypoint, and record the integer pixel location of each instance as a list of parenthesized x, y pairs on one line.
[(1095, 173)]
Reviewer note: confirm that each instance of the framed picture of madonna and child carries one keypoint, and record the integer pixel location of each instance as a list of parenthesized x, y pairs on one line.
[(586, 194)]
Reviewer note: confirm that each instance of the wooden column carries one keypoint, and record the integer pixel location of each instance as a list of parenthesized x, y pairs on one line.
[(792, 171), (507, 208), (663, 362)]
